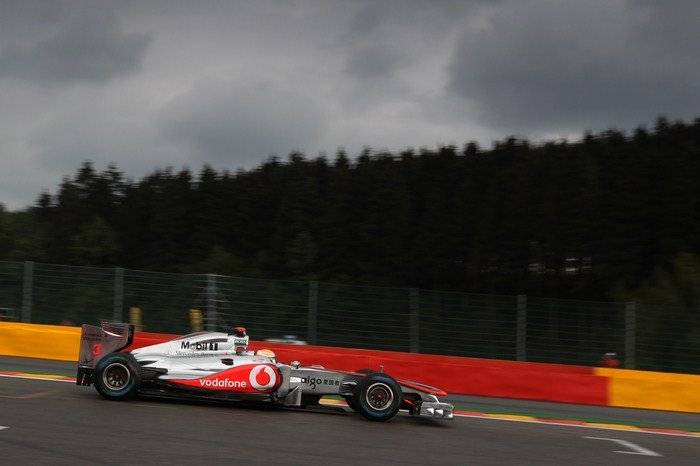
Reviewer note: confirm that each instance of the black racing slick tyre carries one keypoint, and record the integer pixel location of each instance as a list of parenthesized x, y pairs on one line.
[(117, 376), (377, 397)]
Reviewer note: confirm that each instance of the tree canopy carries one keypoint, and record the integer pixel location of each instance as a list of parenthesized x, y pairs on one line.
[(587, 219)]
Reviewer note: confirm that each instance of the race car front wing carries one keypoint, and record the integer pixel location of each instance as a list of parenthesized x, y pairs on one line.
[(436, 409)]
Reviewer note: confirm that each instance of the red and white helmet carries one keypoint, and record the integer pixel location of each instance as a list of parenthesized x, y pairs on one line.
[(240, 340)]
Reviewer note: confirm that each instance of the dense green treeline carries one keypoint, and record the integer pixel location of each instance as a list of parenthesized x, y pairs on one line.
[(595, 219)]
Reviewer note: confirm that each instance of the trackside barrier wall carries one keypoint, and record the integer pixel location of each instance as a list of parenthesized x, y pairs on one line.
[(39, 341), (652, 390), (459, 375)]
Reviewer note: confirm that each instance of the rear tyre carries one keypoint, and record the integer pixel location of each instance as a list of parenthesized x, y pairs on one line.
[(377, 397), (117, 376)]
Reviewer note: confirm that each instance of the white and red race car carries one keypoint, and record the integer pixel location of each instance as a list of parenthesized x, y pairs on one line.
[(218, 366)]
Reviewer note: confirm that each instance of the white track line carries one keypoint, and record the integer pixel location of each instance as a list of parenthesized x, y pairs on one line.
[(635, 449)]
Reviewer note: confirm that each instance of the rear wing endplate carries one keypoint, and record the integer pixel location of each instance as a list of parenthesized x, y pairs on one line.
[(98, 342)]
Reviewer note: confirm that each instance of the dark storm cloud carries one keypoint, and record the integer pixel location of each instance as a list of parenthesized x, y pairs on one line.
[(383, 37), (230, 82), (234, 126), (553, 66), (370, 51), (47, 43), (373, 61)]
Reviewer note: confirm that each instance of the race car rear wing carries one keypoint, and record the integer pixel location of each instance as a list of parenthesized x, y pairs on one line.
[(98, 342)]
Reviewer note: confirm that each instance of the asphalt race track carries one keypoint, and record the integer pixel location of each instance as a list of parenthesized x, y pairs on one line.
[(49, 422)]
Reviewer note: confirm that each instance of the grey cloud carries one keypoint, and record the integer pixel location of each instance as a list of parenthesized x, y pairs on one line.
[(25, 20), (68, 44), (369, 17), (373, 61), (382, 37), (370, 51), (557, 66), (345, 72), (107, 130), (230, 125), (669, 28), (389, 47)]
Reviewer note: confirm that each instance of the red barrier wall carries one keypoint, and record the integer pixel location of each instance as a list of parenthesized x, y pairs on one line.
[(492, 377), (471, 376), (454, 374)]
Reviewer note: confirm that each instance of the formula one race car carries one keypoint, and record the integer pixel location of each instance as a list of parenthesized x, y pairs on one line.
[(218, 366)]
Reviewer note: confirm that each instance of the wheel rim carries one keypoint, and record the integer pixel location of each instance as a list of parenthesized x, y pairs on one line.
[(116, 376), (379, 396)]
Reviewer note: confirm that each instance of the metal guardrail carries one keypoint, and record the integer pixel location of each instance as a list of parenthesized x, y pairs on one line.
[(643, 335)]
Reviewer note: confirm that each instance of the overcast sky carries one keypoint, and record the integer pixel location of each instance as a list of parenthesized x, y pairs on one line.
[(148, 84)]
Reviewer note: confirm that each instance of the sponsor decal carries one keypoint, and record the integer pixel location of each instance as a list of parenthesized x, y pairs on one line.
[(248, 378), (314, 381), (262, 377), (96, 349), (190, 354), (200, 345), (222, 383)]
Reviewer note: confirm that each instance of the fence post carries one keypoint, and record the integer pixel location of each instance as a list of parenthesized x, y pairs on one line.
[(630, 334), (195, 320), (118, 294), (521, 329), (136, 318), (27, 287), (414, 304), (211, 303), (312, 318)]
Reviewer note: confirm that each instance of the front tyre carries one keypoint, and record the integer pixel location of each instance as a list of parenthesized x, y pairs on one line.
[(117, 376), (377, 397)]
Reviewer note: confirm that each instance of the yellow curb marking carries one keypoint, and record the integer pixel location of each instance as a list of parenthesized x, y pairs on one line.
[(511, 417), (52, 378), (611, 426)]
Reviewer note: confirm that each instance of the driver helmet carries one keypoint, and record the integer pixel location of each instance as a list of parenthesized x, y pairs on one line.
[(240, 340)]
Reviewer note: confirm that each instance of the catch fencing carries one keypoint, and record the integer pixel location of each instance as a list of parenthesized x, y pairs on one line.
[(652, 336)]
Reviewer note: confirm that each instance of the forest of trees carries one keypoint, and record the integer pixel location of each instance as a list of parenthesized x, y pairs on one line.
[(609, 215)]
